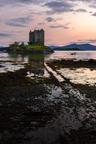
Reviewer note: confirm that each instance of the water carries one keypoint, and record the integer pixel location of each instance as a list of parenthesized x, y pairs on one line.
[(76, 75), (15, 58), (80, 75), (78, 55), (35, 65), (12, 62)]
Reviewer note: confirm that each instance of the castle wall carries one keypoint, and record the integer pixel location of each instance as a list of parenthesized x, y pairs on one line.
[(36, 37), (42, 37), (31, 37)]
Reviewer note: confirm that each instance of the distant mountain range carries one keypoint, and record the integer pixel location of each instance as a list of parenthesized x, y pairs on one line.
[(75, 47)]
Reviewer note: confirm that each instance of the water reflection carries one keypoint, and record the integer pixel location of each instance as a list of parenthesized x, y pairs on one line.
[(33, 63), (13, 57)]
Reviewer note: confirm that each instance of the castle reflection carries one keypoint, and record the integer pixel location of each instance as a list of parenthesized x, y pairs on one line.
[(35, 65), (32, 63)]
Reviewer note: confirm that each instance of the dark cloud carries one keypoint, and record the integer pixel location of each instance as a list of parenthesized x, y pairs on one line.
[(90, 3), (18, 22), (13, 2), (50, 19), (81, 10), (59, 6), (41, 23), (5, 34), (59, 26), (94, 14), (15, 24), (22, 19), (54, 5)]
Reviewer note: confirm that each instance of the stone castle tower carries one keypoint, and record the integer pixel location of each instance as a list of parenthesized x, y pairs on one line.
[(36, 37)]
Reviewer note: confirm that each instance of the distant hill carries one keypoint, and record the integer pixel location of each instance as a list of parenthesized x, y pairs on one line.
[(3, 48), (75, 47), (53, 47)]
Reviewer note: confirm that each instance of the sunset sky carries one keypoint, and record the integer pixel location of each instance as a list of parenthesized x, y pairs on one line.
[(64, 21)]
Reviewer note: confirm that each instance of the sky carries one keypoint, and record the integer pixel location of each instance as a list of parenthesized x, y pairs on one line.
[(64, 21)]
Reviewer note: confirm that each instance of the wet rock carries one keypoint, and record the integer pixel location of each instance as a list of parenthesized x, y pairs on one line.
[(13, 99)]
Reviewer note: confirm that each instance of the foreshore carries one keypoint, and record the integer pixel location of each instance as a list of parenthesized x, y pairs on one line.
[(33, 105)]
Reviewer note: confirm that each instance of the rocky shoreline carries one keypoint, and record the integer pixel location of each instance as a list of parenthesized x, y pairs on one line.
[(44, 110)]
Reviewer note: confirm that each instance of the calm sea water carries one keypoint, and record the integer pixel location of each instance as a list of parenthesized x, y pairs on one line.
[(10, 62), (83, 55)]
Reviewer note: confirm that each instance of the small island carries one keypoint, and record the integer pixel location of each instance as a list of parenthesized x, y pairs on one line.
[(36, 43)]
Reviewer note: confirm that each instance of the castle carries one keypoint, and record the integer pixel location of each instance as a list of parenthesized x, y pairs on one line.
[(36, 37)]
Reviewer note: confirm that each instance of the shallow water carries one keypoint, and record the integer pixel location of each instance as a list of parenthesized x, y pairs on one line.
[(8, 60), (13, 58), (11, 63), (76, 75), (80, 75), (35, 65)]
